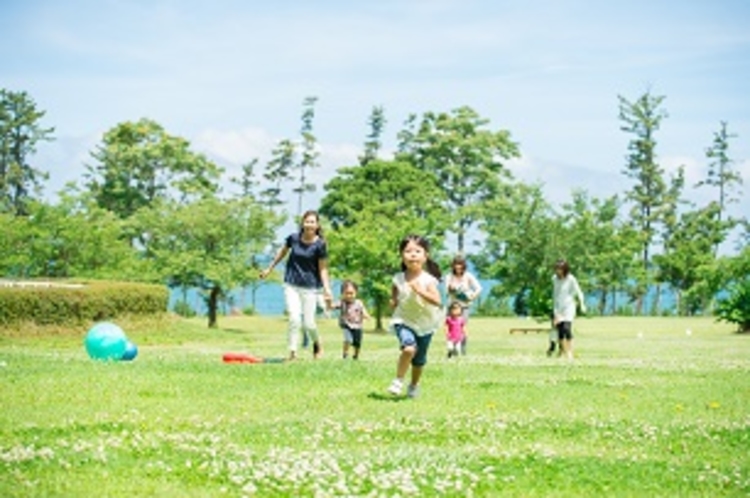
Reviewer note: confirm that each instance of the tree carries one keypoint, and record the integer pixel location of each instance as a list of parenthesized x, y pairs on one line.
[(721, 175), (642, 118), (597, 245), (68, 239), (371, 208), (735, 308), (248, 190), (687, 252), (140, 163), (523, 240), (247, 181), (277, 172), (669, 215), (465, 157), (207, 244), (20, 132), (310, 155), (373, 144)]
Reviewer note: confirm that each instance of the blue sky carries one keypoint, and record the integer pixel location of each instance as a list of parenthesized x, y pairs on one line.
[(230, 76)]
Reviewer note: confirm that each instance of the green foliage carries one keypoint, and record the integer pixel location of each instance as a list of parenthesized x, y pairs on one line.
[(642, 119), (20, 132), (374, 143), (736, 307), (721, 175), (371, 208), (248, 311), (688, 257), (209, 244), (68, 239), (466, 159), (183, 309), (524, 239), (140, 163), (598, 245), (492, 306), (73, 304)]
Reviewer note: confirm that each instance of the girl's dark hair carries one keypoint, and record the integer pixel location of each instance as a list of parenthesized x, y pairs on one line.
[(455, 304), (458, 260), (311, 212), (564, 266), (348, 283), (431, 267)]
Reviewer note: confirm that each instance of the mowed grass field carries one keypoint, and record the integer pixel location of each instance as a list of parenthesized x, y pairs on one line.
[(645, 409)]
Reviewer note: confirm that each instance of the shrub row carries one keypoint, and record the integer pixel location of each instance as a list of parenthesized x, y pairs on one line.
[(77, 303)]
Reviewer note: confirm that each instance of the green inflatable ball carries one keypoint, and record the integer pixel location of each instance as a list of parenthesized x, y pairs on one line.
[(105, 341)]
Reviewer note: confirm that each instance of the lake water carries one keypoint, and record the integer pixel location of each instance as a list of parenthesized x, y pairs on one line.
[(269, 299)]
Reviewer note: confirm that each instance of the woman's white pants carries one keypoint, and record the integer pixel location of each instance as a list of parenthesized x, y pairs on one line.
[(301, 306)]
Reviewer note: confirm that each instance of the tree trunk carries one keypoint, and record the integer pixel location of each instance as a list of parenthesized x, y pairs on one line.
[(213, 306), (602, 301), (378, 314), (657, 301), (614, 300)]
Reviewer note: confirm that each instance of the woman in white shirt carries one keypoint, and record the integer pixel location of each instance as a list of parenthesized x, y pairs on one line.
[(463, 288), (566, 291)]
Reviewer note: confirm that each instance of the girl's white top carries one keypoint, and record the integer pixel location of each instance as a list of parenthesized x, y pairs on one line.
[(413, 311), (566, 291)]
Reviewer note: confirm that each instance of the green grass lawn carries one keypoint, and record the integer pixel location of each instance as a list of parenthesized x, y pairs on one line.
[(645, 409)]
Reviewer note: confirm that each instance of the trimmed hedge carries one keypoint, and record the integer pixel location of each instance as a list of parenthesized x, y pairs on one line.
[(78, 303)]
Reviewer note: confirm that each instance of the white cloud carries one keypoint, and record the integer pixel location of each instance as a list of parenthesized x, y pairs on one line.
[(236, 146)]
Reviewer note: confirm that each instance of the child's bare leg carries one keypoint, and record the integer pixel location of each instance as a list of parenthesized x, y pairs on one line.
[(345, 350), (404, 361), (566, 347), (416, 374)]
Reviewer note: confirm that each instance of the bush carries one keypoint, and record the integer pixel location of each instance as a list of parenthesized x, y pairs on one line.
[(736, 307), (248, 310), (77, 303), (183, 309)]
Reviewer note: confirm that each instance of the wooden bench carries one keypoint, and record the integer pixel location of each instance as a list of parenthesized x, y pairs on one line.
[(526, 330)]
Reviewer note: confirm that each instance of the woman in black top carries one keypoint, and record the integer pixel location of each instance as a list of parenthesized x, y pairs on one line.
[(305, 275)]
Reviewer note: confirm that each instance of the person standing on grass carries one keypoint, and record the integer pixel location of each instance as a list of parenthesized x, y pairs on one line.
[(565, 292), (352, 313), (417, 311), (455, 330), (463, 287), (305, 275)]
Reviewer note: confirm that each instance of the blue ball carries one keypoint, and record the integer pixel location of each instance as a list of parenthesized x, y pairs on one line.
[(131, 351), (105, 341)]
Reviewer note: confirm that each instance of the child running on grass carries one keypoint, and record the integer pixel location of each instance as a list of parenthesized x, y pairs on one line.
[(417, 313), (455, 329), (352, 313)]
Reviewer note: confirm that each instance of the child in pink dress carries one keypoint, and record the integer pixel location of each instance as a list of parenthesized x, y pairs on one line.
[(455, 332)]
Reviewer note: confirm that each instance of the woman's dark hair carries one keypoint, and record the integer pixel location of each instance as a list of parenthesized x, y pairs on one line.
[(311, 212), (348, 283), (458, 261), (431, 267), (564, 266)]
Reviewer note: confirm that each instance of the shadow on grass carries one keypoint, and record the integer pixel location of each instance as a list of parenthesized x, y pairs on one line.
[(386, 397), (232, 330)]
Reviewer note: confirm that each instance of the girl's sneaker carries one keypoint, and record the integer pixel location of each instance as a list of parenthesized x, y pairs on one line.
[(396, 387), (412, 391)]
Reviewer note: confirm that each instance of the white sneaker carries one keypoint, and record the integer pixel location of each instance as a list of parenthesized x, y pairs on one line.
[(396, 387), (412, 391)]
